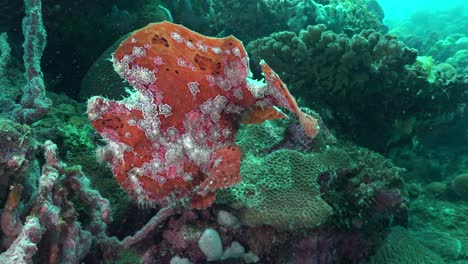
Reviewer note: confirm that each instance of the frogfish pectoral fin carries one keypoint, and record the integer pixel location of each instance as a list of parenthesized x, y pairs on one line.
[(258, 115), (284, 99)]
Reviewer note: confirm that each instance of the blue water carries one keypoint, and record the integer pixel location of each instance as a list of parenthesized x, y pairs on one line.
[(401, 9)]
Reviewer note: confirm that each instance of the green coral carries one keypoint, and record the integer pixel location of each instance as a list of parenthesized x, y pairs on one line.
[(71, 131), (460, 185), (429, 214), (279, 187), (128, 256), (258, 138), (76, 133)]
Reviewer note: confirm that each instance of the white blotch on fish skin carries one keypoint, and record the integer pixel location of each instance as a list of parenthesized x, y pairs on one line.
[(202, 47), (236, 52), (194, 87), (158, 60), (189, 45), (138, 51), (132, 122), (165, 110), (238, 94), (226, 133), (143, 75), (214, 107), (177, 37), (216, 50)]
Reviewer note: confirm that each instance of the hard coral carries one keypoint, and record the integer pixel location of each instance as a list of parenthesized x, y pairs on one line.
[(400, 247), (289, 197), (307, 186), (174, 136)]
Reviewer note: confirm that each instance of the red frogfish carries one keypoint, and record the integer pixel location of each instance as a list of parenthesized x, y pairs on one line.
[(172, 138)]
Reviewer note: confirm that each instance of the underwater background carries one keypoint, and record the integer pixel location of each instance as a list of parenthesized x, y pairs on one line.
[(172, 152)]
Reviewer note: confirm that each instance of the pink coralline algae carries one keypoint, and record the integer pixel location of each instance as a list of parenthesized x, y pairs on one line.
[(173, 137)]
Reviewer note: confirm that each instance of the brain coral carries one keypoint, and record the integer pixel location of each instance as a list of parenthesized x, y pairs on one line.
[(400, 247), (289, 185), (281, 189)]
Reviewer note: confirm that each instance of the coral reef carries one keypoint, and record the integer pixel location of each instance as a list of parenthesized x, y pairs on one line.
[(446, 48), (379, 210), (289, 197), (68, 59), (252, 19), (442, 243), (374, 74), (459, 61), (225, 168), (437, 157), (356, 16), (34, 103), (441, 35), (332, 246)]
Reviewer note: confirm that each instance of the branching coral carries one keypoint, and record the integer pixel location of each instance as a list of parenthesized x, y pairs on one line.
[(34, 103), (52, 211)]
